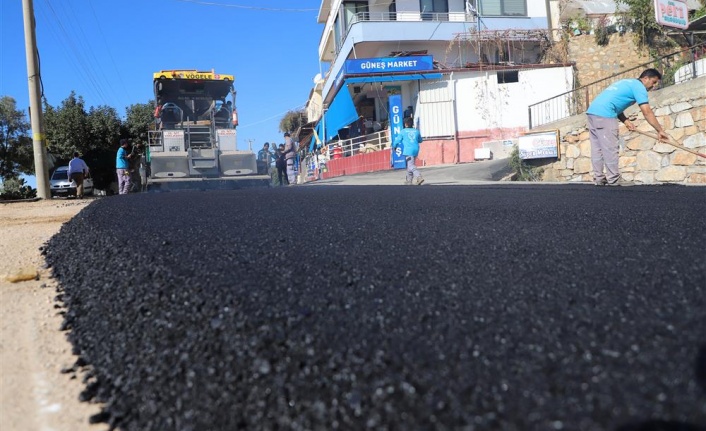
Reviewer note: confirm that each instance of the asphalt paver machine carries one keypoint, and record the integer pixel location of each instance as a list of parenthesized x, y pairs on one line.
[(193, 144)]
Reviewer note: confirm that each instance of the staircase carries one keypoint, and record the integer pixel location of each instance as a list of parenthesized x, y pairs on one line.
[(203, 154)]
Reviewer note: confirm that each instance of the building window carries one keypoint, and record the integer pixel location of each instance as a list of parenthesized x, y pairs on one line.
[(354, 11), (508, 76), (430, 7), (503, 7)]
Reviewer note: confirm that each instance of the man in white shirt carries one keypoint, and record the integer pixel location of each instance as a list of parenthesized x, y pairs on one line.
[(77, 171)]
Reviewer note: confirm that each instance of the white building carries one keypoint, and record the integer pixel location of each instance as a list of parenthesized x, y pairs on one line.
[(469, 70)]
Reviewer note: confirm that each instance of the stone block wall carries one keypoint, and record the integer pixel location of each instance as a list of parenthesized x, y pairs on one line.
[(681, 109), (594, 62)]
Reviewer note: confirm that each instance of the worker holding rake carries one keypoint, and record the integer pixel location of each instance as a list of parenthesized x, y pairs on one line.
[(603, 127)]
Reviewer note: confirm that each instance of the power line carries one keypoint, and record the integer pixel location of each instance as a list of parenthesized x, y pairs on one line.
[(270, 9), (85, 41), (107, 48), (83, 66), (274, 116)]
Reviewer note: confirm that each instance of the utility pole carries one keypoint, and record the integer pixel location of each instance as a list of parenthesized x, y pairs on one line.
[(35, 105), (250, 141)]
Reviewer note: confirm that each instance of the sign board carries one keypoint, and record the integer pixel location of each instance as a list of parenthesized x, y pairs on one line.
[(192, 74), (173, 134), (389, 64), (397, 160), (672, 13), (539, 145)]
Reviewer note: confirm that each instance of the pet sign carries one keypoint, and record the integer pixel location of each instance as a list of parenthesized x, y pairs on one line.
[(539, 145), (672, 13)]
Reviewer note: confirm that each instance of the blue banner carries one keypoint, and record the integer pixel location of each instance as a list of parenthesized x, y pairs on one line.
[(397, 160), (389, 64)]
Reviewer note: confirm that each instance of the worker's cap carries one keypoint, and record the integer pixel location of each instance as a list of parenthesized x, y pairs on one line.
[(409, 107)]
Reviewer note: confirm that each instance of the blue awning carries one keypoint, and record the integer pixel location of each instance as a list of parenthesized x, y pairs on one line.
[(390, 78), (342, 111), (340, 114)]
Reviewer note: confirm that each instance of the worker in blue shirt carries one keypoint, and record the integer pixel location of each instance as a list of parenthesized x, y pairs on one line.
[(409, 139), (122, 167), (603, 129)]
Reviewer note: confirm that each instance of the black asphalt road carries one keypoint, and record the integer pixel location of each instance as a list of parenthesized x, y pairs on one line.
[(498, 307)]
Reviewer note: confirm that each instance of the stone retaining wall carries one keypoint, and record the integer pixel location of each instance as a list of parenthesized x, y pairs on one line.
[(594, 62), (681, 109)]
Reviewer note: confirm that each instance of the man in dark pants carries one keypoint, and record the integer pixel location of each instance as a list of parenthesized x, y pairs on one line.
[(281, 165), (264, 158), (603, 129)]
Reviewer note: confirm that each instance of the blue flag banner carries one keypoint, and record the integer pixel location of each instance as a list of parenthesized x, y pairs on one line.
[(397, 160)]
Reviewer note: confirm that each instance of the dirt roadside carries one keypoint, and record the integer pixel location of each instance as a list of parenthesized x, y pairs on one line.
[(34, 394)]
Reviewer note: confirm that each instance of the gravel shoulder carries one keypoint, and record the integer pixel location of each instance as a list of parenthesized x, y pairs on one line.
[(34, 393)]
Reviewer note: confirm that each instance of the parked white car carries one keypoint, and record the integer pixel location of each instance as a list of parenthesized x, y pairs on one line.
[(60, 185)]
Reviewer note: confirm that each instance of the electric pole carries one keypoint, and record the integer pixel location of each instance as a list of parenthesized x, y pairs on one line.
[(35, 105)]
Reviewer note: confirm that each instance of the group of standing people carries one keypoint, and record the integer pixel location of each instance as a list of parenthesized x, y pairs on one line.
[(284, 157)]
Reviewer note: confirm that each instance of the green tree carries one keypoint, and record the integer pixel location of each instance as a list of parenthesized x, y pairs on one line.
[(641, 17), (16, 152), (103, 126), (66, 127), (292, 121), (140, 117)]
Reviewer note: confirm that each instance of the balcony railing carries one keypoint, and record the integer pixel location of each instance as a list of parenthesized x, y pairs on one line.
[(403, 17), (577, 101), (412, 16)]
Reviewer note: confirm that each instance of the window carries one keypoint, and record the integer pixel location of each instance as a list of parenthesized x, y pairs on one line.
[(430, 7), (337, 34), (351, 11), (508, 76), (392, 9), (503, 7)]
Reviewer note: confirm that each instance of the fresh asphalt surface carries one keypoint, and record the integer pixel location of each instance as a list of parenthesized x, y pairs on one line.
[(484, 307)]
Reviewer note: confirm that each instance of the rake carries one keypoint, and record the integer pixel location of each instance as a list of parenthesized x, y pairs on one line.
[(671, 142)]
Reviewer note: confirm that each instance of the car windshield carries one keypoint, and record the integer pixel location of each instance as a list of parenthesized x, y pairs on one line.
[(60, 175)]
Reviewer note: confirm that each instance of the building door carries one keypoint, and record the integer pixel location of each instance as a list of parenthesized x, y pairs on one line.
[(436, 109), (431, 8)]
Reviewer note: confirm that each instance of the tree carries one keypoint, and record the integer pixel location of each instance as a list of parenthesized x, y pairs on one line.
[(103, 128), (292, 121), (642, 20), (67, 128), (16, 151), (138, 121)]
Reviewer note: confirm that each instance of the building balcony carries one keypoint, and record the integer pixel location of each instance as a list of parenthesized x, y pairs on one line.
[(401, 26)]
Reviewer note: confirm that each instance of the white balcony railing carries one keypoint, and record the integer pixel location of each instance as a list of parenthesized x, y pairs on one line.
[(412, 16), (438, 17)]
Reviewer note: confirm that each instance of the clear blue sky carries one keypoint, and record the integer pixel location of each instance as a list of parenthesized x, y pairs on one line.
[(106, 51)]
